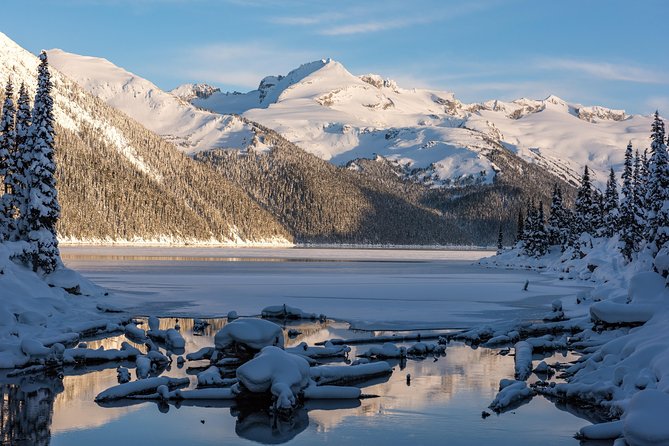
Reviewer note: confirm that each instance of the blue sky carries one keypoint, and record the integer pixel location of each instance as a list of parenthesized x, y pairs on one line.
[(604, 52)]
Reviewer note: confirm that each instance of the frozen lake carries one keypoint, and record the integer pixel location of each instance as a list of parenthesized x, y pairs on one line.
[(371, 288)]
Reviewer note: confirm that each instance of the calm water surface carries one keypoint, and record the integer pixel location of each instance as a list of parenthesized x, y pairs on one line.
[(442, 405)]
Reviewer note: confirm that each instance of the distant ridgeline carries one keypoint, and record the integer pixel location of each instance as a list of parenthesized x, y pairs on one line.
[(118, 181), (638, 216)]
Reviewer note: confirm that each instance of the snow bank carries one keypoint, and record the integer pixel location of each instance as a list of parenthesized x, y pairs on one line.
[(253, 334), (646, 420)]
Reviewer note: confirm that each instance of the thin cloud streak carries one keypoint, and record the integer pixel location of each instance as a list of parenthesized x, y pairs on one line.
[(605, 70), (240, 65)]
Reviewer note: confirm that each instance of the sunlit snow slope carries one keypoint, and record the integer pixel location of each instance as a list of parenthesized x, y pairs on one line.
[(340, 117), (176, 120), (328, 111)]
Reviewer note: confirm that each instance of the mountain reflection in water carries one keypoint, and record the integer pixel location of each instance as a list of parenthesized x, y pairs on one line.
[(445, 397)]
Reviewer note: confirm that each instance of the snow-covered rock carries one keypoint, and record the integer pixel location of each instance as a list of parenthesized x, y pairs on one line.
[(252, 334), (523, 360), (287, 312), (510, 393), (143, 386), (387, 350), (273, 370)]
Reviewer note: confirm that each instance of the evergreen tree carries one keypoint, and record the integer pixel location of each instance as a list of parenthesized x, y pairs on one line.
[(19, 180), (559, 225), (43, 209), (657, 193), (535, 235), (585, 205), (629, 227), (611, 211), (639, 183), (7, 164), (520, 226), (500, 240)]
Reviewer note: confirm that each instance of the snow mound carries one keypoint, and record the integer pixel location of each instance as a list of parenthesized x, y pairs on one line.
[(646, 421), (511, 393), (387, 350), (287, 312), (253, 334), (274, 370)]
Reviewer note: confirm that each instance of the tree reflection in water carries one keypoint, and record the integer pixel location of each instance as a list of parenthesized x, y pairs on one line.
[(27, 410)]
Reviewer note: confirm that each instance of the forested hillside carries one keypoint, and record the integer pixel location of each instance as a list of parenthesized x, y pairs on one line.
[(118, 181), (370, 201)]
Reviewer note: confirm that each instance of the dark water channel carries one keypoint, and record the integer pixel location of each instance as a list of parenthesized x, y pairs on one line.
[(442, 404)]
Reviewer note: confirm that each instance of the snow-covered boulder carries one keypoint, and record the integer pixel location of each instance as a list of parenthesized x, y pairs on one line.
[(336, 374), (253, 334), (274, 370), (143, 386), (327, 351), (523, 360), (511, 392), (287, 312), (387, 350)]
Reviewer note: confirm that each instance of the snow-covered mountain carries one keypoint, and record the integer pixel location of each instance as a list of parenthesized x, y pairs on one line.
[(118, 181), (340, 117), (176, 120)]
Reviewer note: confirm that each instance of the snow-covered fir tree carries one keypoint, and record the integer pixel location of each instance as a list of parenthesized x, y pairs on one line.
[(21, 194), (559, 224), (611, 211), (500, 240), (629, 222), (43, 209), (585, 207), (7, 164), (657, 193), (535, 237), (520, 226)]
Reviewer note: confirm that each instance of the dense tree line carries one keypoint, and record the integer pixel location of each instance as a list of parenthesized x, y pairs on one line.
[(29, 208), (638, 216)]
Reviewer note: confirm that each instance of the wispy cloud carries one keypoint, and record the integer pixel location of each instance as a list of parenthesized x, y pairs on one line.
[(239, 65), (308, 20), (605, 70), (373, 26), (379, 18)]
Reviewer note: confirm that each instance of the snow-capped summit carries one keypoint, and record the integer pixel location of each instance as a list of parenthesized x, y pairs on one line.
[(338, 116), (190, 129), (188, 92)]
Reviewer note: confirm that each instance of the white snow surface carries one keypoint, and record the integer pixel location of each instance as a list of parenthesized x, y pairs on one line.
[(323, 108), (187, 127), (626, 372)]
